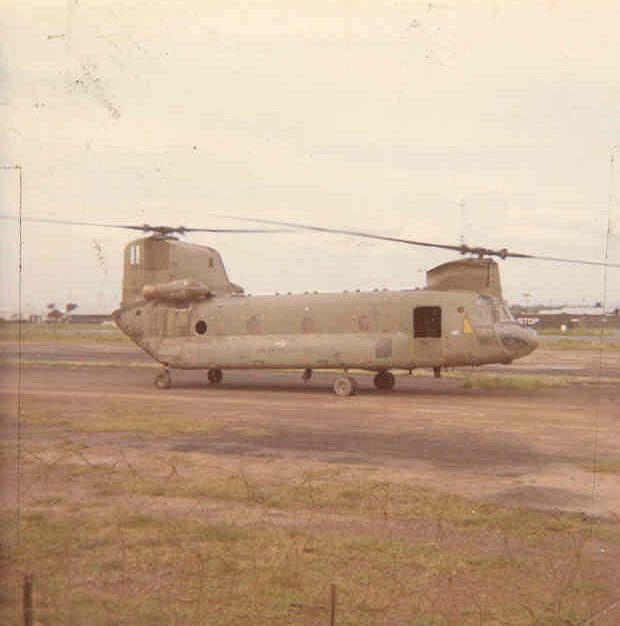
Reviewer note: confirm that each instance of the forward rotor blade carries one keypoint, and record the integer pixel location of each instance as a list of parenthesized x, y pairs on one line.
[(503, 253)]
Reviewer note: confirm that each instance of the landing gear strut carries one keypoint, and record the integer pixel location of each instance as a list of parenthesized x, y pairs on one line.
[(437, 371), (307, 375), (163, 380), (215, 376), (384, 380), (345, 386)]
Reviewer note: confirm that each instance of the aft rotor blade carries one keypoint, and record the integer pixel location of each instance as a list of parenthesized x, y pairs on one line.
[(146, 227), (503, 253), (341, 231), (48, 220)]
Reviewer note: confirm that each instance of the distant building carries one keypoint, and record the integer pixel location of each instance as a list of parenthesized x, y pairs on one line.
[(91, 318), (568, 316), (54, 316)]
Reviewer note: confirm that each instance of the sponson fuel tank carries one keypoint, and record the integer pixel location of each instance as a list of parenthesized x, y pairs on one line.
[(176, 291)]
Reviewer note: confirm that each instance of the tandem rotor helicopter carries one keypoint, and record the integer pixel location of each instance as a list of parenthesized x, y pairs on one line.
[(180, 307)]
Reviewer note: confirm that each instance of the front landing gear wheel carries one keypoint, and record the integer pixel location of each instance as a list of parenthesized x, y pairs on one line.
[(345, 386), (162, 380), (384, 380), (215, 376)]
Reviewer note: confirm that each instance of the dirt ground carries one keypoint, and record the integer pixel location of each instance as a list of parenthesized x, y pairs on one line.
[(531, 446), (488, 497)]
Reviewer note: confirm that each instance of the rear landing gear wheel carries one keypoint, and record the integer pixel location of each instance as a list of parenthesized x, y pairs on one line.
[(384, 380), (163, 380), (307, 375), (215, 376), (345, 386)]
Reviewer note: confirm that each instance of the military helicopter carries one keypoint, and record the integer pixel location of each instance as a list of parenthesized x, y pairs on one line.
[(180, 307)]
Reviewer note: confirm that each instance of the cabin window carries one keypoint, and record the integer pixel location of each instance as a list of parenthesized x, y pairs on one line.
[(383, 348), (363, 323), (253, 325), (427, 321), (210, 261), (307, 324), (201, 327), (134, 254)]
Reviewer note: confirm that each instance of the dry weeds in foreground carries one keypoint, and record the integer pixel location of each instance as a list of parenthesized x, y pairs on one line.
[(117, 530)]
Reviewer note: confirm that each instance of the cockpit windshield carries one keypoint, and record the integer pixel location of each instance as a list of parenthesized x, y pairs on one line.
[(490, 311), (503, 312)]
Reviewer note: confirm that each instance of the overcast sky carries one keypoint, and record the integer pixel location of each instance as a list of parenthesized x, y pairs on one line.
[(491, 121)]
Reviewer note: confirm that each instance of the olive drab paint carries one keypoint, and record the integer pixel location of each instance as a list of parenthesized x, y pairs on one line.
[(181, 308)]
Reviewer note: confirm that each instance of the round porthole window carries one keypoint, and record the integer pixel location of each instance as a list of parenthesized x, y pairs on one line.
[(461, 310), (201, 327)]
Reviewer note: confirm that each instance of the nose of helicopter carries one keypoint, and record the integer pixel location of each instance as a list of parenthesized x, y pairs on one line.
[(130, 320), (116, 316), (516, 340)]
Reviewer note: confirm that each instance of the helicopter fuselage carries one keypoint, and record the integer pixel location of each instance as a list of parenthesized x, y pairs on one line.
[(377, 331), (180, 307)]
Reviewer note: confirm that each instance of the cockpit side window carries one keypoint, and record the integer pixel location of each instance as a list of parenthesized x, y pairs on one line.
[(507, 315), (134, 254), (500, 312), (480, 314)]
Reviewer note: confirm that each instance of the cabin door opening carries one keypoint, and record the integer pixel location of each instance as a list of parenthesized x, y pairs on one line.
[(177, 323), (427, 335), (182, 323)]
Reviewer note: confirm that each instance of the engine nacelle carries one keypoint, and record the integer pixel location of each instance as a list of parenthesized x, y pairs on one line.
[(176, 290)]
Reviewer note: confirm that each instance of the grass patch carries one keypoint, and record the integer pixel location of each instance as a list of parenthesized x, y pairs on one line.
[(250, 431), (337, 492), (70, 333), (48, 501), (569, 345), (117, 533), (125, 560), (499, 381), (113, 417), (609, 466), (523, 381), (78, 364), (578, 332)]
